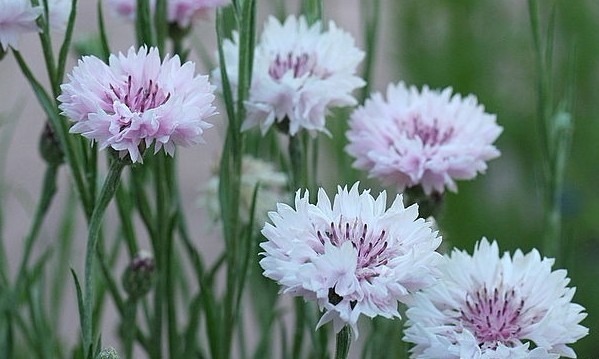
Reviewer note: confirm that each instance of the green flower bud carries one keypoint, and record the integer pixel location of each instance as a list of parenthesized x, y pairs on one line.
[(138, 278), (49, 147)]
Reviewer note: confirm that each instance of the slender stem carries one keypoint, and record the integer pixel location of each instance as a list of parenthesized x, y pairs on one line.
[(158, 243), (300, 323), (343, 343), (95, 224), (298, 158), (129, 326), (371, 12), (48, 192), (313, 9)]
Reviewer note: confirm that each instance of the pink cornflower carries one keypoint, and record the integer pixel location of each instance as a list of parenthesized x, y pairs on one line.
[(181, 12), (428, 138), (299, 73), (138, 100), (126, 9), (353, 256), (486, 306), (17, 17)]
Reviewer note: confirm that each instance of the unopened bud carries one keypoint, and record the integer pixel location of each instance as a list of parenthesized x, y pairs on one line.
[(49, 147), (108, 353), (139, 275)]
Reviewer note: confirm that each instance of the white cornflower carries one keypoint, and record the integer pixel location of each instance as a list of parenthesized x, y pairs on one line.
[(17, 17), (299, 72), (353, 256), (486, 306), (254, 172)]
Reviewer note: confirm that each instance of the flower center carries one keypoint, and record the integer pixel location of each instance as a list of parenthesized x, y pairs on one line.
[(431, 135), (371, 246), (299, 65), (141, 98), (493, 317)]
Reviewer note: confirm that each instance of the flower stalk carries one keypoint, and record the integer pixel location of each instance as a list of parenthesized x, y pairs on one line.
[(343, 343), (555, 127), (108, 190)]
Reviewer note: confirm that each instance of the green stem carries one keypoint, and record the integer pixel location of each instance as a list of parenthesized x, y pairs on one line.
[(48, 192), (129, 327), (343, 343), (298, 158), (371, 12), (299, 177), (313, 10), (158, 243), (300, 322), (95, 224)]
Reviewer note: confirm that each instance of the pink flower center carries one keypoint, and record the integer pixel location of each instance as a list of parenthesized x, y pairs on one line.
[(493, 317), (431, 135), (299, 65), (371, 247), (139, 99)]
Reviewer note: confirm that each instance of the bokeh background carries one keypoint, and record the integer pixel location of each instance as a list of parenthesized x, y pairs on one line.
[(479, 47)]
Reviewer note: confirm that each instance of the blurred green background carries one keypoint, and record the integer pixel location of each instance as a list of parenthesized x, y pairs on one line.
[(486, 48)]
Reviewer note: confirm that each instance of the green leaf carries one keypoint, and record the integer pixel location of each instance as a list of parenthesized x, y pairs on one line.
[(79, 297), (103, 37), (143, 24), (66, 43)]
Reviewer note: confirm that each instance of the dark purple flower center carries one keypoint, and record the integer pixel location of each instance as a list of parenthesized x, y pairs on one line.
[(141, 98), (299, 65), (429, 134), (493, 317), (372, 247)]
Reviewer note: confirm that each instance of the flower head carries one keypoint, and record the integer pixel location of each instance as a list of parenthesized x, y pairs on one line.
[(17, 17), (126, 9), (428, 138), (138, 100), (254, 172), (353, 256), (487, 306), (181, 12), (299, 72)]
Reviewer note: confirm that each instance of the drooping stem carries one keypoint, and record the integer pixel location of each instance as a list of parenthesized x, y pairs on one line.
[(95, 224)]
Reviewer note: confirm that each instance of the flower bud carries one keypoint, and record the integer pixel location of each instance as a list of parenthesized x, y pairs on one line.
[(138, 278), (108, 353), (49, 147)]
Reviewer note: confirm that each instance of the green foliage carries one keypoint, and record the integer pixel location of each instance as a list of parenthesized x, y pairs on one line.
[(486, 48)]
